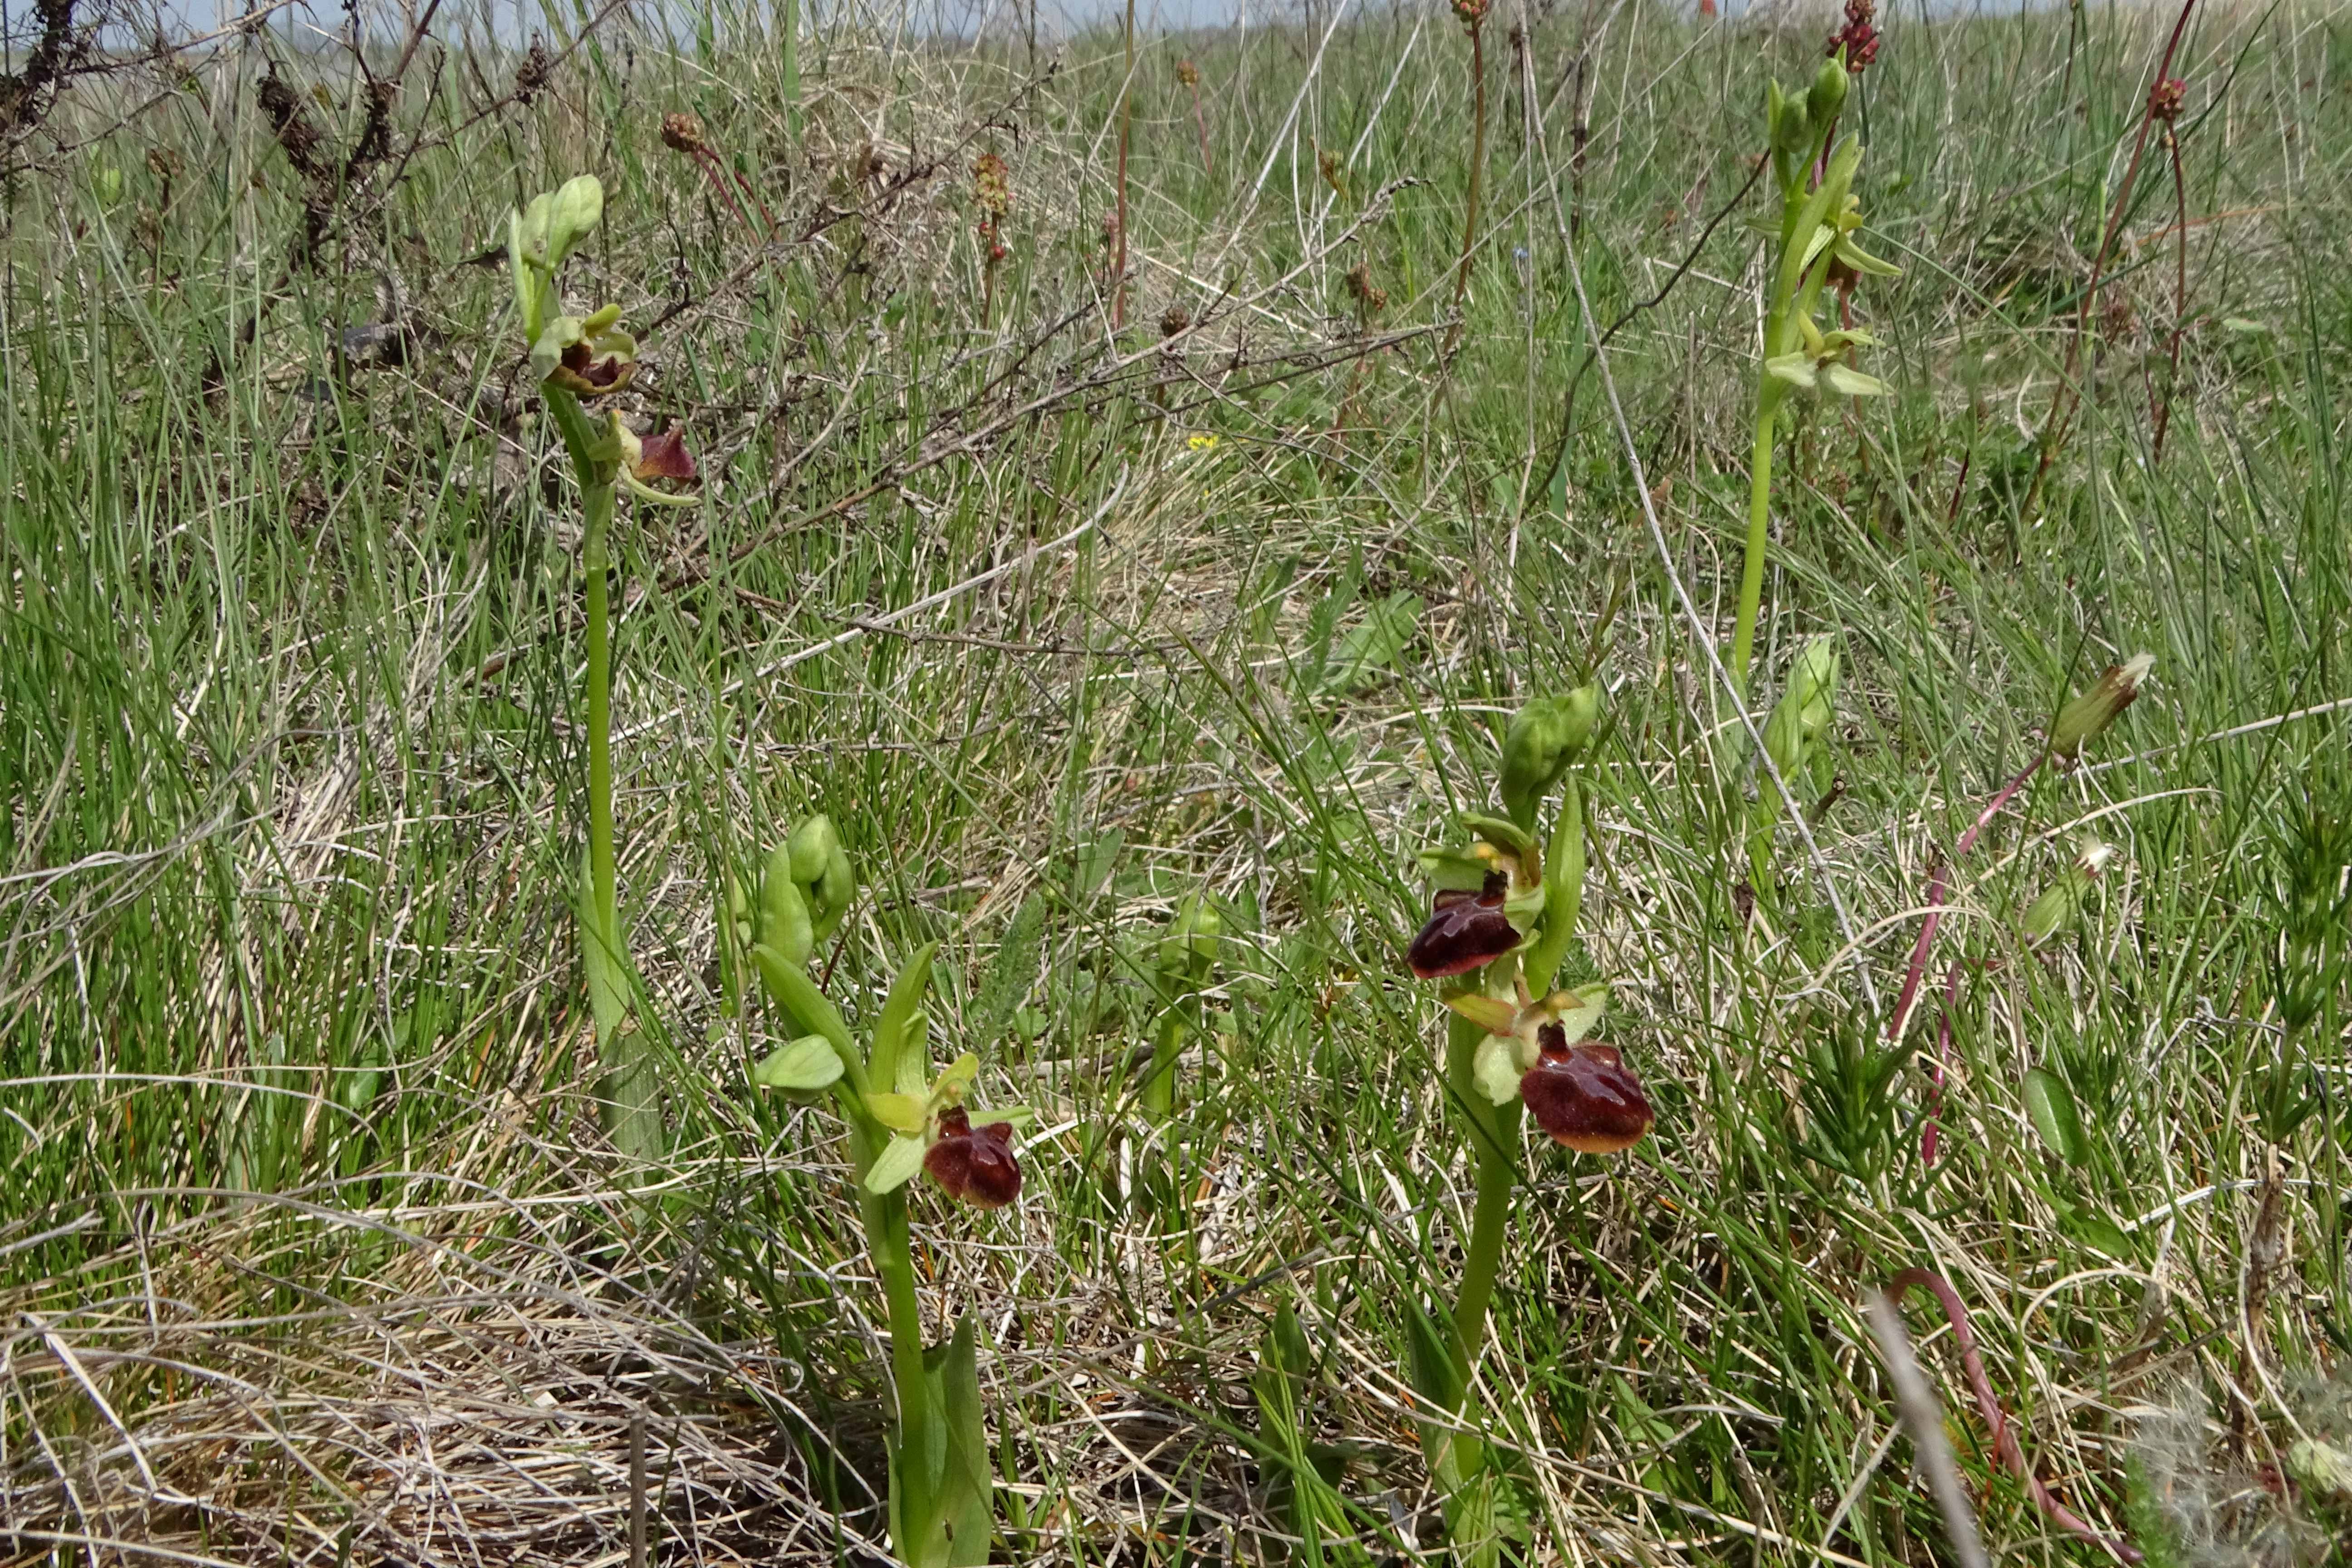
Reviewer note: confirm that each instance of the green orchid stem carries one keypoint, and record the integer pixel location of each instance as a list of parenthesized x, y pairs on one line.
[(890, 1242), (604, 873), (1495, 1134), (1160, 1082), (1759, 530)]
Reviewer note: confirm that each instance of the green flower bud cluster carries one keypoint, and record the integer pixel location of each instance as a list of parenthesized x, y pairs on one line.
[(1543, 738), (1816, 245), (542, 237), (805, 887)]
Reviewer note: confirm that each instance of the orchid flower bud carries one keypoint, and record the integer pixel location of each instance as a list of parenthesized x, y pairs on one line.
[(540, 236), (821, 867), (1826, 97), (2088, 716), (784, 922), (1543, 738)]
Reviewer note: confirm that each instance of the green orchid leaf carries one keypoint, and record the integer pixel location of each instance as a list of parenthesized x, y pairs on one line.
[(605, 958), (1849, 382), (1796, 369), (899, 1160), (802, 1066), (1491, 1014), (966, 1499), (1563, 891), (805, 1008), (891, 1063), (900, 1112)]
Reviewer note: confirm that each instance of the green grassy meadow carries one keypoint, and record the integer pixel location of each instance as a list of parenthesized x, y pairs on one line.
[(1068, 600)]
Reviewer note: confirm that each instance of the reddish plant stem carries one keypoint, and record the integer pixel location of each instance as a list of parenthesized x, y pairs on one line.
[(2055, 429), (2004, 1435), (718, 177), (1938, 883), (2179, 294), (1200, 123), (1928, 1139)]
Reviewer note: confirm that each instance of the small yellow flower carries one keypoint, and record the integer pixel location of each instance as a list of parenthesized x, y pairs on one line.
[(1201, 442)]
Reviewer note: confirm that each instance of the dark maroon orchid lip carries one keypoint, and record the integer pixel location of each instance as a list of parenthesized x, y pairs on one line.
[(1466, 931), (1583, 1096), (581, 371), (974, 1164)]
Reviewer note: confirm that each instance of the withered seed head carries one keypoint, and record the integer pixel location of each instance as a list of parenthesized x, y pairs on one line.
[(682, 133)]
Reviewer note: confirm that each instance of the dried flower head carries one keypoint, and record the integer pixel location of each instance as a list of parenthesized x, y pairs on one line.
[(974, 1164), (1470, 13), (1327, 165), (992, 185), (1174, 320), (532, 75), (1188, 73), (1375, 299), (682, 133), (1859, 36), (2164, 100)]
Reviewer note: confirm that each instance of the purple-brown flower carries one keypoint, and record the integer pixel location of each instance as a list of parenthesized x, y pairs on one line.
[(1466, 931), (1583, 1096), (975, 1164)]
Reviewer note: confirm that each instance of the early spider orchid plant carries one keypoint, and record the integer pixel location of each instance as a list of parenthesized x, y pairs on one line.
[(576, 360), (902, 1119), (1812, 249), (1505, 912)]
